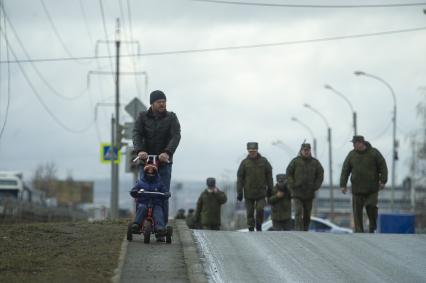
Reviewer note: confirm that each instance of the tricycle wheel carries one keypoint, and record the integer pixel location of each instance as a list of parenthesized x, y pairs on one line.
[(146, 232), (129, 232), (169, 233)]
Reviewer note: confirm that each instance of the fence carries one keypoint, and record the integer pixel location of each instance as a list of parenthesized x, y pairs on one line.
[(13, 210)]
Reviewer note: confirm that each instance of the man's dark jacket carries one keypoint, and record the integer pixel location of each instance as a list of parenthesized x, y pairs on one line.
[(367, 168), (156, 134), (254, 178)]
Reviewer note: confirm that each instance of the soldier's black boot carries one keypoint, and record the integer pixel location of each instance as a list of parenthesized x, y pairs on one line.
[(259, 228), (251, 229)]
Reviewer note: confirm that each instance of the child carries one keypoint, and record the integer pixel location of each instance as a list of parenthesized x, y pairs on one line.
[(150, 182)]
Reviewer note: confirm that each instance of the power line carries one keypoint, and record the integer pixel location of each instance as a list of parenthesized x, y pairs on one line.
[(8, 71), (315, 6), (39, 74), (101, 7), (239, 47), (58, 35), (38, 96)]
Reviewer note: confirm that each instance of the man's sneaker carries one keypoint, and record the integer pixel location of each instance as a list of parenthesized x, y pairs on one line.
[(135, 228), (258, 228), (251, 229)]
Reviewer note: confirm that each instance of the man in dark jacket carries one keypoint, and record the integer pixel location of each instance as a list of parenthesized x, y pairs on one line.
[(157, 132), (369, 175), (190, 219), (209, 203), (305, 175), (280, 202), (254, 183)]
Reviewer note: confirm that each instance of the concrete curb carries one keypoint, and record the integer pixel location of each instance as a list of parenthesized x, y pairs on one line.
[(192, 260), (116, 278)]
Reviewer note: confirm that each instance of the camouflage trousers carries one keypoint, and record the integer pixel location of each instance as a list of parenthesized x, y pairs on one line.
[(281, 225), (302, 213), (253, 205), (370, 203)]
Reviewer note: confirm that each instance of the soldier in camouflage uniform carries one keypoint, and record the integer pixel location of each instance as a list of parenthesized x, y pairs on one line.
[(305, 175), (369, 175), (280, 201), (209, 203), (254, 183)]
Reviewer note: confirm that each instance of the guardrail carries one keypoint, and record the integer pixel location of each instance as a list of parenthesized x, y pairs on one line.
[(13, 210)]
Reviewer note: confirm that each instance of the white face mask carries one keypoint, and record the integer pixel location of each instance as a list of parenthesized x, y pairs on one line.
[(210, 190)]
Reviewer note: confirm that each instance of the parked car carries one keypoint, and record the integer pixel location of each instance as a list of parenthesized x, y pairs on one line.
[(317, 225)]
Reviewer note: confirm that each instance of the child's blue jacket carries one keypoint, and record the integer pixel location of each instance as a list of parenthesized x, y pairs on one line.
[(155, 186)]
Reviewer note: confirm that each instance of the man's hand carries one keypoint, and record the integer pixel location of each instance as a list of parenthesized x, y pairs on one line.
[(240, 197), (143, 155), (344, 190), (164, 157), (280, 194), (381, 186)]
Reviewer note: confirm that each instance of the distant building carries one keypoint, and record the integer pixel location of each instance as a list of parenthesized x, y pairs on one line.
[(70, 192)]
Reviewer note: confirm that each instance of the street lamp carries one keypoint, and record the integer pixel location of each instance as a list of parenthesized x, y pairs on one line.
[(330, 159), (348, 102), (283, 146), (394, 142), (310, 131)]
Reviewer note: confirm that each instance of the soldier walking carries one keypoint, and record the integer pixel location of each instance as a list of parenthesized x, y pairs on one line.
[(305, 175), (254, 184), (209, 203), (369, 175), (280, 201)]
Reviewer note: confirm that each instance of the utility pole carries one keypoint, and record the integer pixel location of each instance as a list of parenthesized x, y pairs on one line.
[(116, 128)]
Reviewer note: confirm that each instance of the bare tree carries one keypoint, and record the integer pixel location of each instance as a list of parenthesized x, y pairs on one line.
[(44, 178)]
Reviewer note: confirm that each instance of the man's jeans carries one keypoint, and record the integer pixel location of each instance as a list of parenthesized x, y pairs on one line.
[(165, 171)]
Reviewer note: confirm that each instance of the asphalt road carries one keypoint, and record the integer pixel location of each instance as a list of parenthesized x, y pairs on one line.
[(312, 257)]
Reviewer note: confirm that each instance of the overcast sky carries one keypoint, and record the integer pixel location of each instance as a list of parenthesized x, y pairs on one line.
[(223, 99)]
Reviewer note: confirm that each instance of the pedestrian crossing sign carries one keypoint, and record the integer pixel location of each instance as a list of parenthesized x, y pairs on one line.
[(107, 154)]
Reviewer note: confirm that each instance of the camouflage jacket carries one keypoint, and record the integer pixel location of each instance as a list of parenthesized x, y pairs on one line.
[(305, 176), (366, 168), (280, 207), (208, 207), (254, 177)]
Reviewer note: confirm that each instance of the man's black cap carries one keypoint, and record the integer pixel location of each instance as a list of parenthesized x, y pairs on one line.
[(156, 95)]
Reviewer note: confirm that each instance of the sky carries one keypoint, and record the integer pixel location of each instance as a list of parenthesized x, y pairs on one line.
[(223, 98)]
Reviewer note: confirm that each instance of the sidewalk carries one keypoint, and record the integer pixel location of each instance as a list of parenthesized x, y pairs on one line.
[(161, 262)]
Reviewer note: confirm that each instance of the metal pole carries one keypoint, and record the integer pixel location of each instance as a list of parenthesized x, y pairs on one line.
[(117, 141), (330, 164), (393, 158), (355, 124), (113, 206), (315, 147)]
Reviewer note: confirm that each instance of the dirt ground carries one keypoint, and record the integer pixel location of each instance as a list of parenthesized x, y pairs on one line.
[(60, 252)]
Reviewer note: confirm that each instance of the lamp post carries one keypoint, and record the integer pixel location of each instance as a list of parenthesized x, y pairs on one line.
[(310, 131), (394, 142), (354, 117), (330, 159)]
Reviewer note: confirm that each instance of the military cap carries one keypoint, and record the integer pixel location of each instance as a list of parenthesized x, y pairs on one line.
[(252, 145), (358, 139), (211, 182), (305, 146), (281, 176)]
